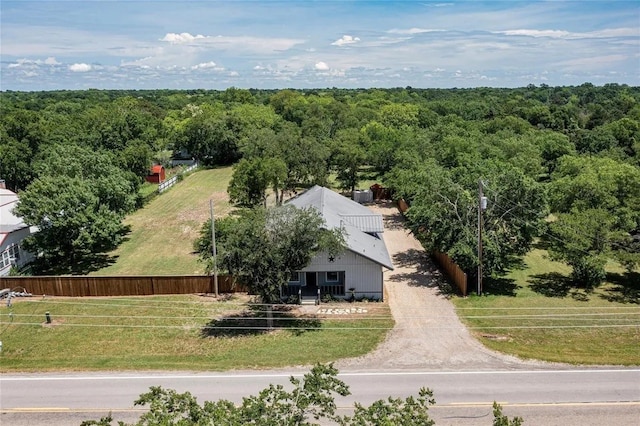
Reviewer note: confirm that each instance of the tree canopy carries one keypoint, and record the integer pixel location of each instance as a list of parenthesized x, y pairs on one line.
[(564, 149), (263, 247)]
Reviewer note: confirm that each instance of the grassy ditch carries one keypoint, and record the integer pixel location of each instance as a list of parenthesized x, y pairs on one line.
[(163, 231), (536, 313), (178, 333)]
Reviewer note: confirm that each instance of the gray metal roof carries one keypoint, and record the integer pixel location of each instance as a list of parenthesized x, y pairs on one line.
[(358, 221)]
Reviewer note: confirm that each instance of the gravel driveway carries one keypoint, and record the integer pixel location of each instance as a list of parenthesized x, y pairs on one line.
[(427, 332)]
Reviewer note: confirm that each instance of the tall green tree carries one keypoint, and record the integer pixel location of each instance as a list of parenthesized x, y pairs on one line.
[(582, 239), (264, 246), (252, 177), (73, 224), (348, 157), (103, 172), (444, 205), (597, 201)]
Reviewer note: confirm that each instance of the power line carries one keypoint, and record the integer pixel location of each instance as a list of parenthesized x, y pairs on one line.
[(338, 317), (183, 327)]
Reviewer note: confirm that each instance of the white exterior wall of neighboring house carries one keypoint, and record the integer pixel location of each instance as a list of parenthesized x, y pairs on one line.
[(360, 273), (11, 252), (12, 232)]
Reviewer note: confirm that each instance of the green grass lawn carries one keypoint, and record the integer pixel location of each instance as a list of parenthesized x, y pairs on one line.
[(175, 332), (536, 313), (162, 233)]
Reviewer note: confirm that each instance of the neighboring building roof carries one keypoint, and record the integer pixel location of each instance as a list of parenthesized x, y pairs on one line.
[(157, 169), (8, 221), (8, 200), (361, 224)]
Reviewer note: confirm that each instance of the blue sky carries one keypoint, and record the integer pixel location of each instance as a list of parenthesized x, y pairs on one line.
[(48, 45)]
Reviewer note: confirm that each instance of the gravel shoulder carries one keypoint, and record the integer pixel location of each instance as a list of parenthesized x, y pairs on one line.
[(427, 333)]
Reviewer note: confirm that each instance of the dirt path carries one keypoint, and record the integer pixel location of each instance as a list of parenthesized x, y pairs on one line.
[(427, 333)]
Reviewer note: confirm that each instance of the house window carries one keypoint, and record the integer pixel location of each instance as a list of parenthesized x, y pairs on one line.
[(6, 259), (332, 277), (14, 252), (295, 277)]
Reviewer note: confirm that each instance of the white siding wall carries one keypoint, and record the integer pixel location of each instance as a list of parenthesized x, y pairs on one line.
[(14, 238), (360, 273)]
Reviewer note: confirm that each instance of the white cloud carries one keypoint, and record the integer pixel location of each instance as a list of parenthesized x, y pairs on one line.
[(321, 66), (596, 62), (32, 63), (412, 31), (345, 40), (80, 67), (181, 38), (606, 33), (51, 61), (205, 65), (235, 44)]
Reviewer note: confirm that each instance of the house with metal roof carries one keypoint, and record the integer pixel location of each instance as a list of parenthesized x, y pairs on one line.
[(12, 231), (357, 272)]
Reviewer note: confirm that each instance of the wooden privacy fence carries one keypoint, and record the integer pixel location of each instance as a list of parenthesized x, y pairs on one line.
[(81, 286), (452, 270)]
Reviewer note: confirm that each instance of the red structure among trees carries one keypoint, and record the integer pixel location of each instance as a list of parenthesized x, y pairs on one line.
[(157, 174)]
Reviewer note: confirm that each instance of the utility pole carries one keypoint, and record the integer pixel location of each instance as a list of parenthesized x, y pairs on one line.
[(482, 205), (213, 250)]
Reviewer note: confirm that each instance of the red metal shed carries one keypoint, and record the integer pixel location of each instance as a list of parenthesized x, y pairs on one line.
[(157, 174)]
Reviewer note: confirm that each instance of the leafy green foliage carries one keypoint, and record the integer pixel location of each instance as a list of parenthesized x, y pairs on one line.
[(533, 129), (262, 247), (443, 212), (599, 204), (394, 411), (251, 179), (73, 223), (583, 239), (500, 419), (312, 398)]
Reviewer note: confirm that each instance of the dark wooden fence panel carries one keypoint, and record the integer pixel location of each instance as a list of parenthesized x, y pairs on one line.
[(84, 286), (453, 271)]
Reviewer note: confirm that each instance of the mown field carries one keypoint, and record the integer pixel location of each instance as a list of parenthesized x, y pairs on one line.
[(535, 313), (178, 333), (162, 233)]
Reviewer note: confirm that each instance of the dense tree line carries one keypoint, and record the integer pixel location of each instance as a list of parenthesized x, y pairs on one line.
[(554, 161)]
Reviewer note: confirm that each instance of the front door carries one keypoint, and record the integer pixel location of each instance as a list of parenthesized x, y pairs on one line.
[(311, 284)]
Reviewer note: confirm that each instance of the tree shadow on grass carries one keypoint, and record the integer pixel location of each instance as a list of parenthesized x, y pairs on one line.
[(253, 322), (554, 284), (626, 288), (83, 266), (500, 286)]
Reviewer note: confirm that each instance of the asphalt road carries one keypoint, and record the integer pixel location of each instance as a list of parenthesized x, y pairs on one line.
[(542, 397)]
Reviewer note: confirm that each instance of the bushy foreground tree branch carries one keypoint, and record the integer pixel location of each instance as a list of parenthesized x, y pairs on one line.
[(312, 398)]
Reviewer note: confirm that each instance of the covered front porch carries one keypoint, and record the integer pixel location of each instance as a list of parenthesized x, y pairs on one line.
[(315, 285)]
